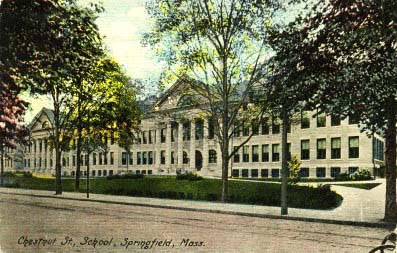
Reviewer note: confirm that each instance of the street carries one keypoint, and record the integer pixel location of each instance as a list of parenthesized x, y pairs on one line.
[(33, 224)]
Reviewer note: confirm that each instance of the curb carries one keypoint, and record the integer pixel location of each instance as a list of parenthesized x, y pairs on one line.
[(380, 224)]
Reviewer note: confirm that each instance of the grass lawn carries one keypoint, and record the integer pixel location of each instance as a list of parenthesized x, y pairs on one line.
[(365, 186), (206, 189)]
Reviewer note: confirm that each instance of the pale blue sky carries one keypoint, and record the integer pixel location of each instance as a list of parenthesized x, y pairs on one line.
[(122, 24)]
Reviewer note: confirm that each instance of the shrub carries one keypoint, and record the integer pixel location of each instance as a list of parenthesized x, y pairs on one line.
[(361, 174), (188, 176), (342, 177), (126, 176), (8, 174), (294, 169)]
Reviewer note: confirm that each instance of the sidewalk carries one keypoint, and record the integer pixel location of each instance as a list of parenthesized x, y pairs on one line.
[(360, 207)]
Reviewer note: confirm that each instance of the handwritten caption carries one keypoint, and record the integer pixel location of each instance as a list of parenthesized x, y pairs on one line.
[(95, 242)]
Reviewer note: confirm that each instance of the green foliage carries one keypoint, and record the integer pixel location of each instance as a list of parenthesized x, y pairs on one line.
[(360, 174), (190, 176), (206, 189), (294, 169), (126, 176)]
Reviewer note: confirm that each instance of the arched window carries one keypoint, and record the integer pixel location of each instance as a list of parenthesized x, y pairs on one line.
[(212, 156)]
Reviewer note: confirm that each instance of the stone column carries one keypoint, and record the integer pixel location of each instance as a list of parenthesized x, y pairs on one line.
[(168, 144), (180, 145), (192, 155)]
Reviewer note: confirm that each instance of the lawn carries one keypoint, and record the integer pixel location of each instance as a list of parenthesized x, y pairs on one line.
[(206, 189)]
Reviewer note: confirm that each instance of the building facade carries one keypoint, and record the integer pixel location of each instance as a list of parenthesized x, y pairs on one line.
[(175, 137)]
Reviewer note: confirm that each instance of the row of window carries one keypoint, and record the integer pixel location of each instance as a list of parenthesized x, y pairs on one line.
[(104, 173), (100, 159), (275, 173), (305, 150)]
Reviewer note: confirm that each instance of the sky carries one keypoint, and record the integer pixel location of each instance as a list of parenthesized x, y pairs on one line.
[(122, 24)]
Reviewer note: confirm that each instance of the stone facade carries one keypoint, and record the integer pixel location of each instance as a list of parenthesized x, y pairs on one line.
[(175, 137)]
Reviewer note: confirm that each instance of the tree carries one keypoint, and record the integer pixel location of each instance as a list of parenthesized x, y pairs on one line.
[(49, 46), (12, 108), (218, 48), (345, 51)]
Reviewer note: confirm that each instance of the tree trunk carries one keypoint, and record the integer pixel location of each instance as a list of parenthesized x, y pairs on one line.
[(284, 164), (78, 159), (78, 150), (88, 174), (58, 183), (391, 207), (225, 162), (2, 167)]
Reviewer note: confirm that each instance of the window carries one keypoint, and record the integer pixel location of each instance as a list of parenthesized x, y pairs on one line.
[(100, 158), (265, 153), (186, 131), (144, 137), (255, 127), (137, 171), (246, 129), (144, 157), (321, 120), (172, 157), (130, 155), (99, 173), (40, 146), (74, 160), (138, 158), (149, 172), (93, 173), (244, 172), (237, 129), (304, 172), (150, 157), (110, 172), (185, 158), (276, 173), (212, 156), (264, 173), (335, 120), (150, 137), (235, 173), (335, 171), (354, 147), (162, 155), (105, 158), (275, 153), (255, 153), (86, 160), (353, 119), (305, 149), (288, 151), (111, 158), (246, 155), (199, 129), (378, 149), (352, 170), (275, 126), (335, 148), (265, 126), (321, 149), (236, 156), (163, 131), (305, 120), (143, 172), (254, 172), (105, 139), (320, 172), (124, 158), (105, 173)]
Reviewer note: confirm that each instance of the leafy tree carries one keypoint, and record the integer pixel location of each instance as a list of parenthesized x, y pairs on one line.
[(49, 47), (12, 108), (345, 51), (218, 48), (294, 168)]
